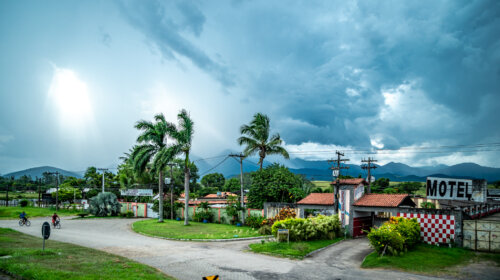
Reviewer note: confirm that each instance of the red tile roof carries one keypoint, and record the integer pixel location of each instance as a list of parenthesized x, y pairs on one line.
[(355, 181), (318, 199), (381, 200), (222, 195)]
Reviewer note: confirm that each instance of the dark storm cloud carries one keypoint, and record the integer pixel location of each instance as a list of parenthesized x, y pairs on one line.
[(331, 78), (167, 25)]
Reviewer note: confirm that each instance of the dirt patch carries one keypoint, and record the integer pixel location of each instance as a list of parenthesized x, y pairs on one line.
[(478, 270)]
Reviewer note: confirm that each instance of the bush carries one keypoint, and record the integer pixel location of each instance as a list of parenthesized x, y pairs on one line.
[(254, 221), (320, 227), (395, 236), (166, 208), (265, 230), (24, 203), (129, 214), (105, 204), (199, 216), (428, 205)]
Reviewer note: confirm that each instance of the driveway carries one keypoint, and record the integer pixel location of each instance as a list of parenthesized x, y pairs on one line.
[(229, 260)]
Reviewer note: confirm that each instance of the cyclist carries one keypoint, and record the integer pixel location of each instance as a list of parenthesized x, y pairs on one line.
[(55, 219), (23, 217)]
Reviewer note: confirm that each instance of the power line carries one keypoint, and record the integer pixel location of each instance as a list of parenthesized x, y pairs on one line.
[(217, 165)]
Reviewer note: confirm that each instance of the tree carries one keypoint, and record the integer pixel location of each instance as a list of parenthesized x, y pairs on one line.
[(213, 180), (152, 148), (380, 185), (256, 138), (183, 136), (232, 185), (276, 183), (68, 193), (92, 177), (409, 187)]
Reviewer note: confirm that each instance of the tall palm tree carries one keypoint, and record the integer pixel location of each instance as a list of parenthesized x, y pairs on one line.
[(182, 134), (152, 149), (256, 138)]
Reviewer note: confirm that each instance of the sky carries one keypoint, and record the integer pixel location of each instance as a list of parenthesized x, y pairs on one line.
[(416, 82)]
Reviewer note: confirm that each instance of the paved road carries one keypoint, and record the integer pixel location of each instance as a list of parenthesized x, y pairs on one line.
[(230, 260)]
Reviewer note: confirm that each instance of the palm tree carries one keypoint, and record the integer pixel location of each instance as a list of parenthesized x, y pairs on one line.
[(183, 135), (152, 150), (256, 138)]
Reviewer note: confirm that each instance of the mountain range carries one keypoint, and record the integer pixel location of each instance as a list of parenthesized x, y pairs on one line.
[(317, 170)]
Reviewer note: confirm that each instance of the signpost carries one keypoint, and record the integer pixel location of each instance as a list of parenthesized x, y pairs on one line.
[(137, 192), (45, 233), (284, 231)]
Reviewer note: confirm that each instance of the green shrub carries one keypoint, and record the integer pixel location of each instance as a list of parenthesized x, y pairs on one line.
[(265, 230), (428, 205), (395, 236), (320, 227), (105, 204), (199, 216), (24, 203), (254, 221), (129, 214)]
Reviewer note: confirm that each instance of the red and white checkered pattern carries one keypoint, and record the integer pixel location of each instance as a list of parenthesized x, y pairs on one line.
[(434, 228)]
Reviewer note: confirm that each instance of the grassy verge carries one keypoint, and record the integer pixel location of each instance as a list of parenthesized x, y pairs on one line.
[(17, 195), (427, 259), (13, 212), (65, 261), (296, 250), (176, 229)]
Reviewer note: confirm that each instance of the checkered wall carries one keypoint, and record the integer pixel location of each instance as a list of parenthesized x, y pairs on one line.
[(434, 228)]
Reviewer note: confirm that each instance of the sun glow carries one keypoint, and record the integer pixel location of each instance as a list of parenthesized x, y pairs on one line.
[(71, 97)]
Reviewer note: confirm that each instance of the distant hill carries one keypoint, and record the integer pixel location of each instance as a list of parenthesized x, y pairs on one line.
[(38, 172), (317, 170)]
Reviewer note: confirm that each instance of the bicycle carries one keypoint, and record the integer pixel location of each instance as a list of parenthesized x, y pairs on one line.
[(57, 224), (22, 222)]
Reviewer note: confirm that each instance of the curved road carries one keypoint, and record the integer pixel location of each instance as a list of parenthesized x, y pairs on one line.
[(229, 260)]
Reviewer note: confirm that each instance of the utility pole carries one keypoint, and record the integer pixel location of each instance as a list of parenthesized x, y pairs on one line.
[(171, 189), (39, 192), (337, 167), (103, 171), (57, 188), (241, 157), (369, 166)]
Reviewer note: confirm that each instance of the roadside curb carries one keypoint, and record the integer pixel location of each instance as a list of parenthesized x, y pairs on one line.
[(324, 248), (201, 240)]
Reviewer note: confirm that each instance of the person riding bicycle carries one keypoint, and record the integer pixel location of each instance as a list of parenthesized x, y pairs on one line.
[(23, 217), (55, 219)]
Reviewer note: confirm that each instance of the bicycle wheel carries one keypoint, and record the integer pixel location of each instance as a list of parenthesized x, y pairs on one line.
[(21, 223), (28, 223), (58, 226)]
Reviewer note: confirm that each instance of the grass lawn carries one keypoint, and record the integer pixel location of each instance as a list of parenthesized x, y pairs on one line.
[(65, 261), (18, 195), (176, 229), (427, 259), (324, 185), (295, 250), (13, 212)]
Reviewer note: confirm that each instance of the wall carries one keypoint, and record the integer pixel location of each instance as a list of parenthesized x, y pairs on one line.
[(482, 235), (139, 209), (434, 229)]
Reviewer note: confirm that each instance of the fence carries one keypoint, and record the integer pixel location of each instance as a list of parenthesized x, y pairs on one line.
[(482, 235), (272, 209)]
